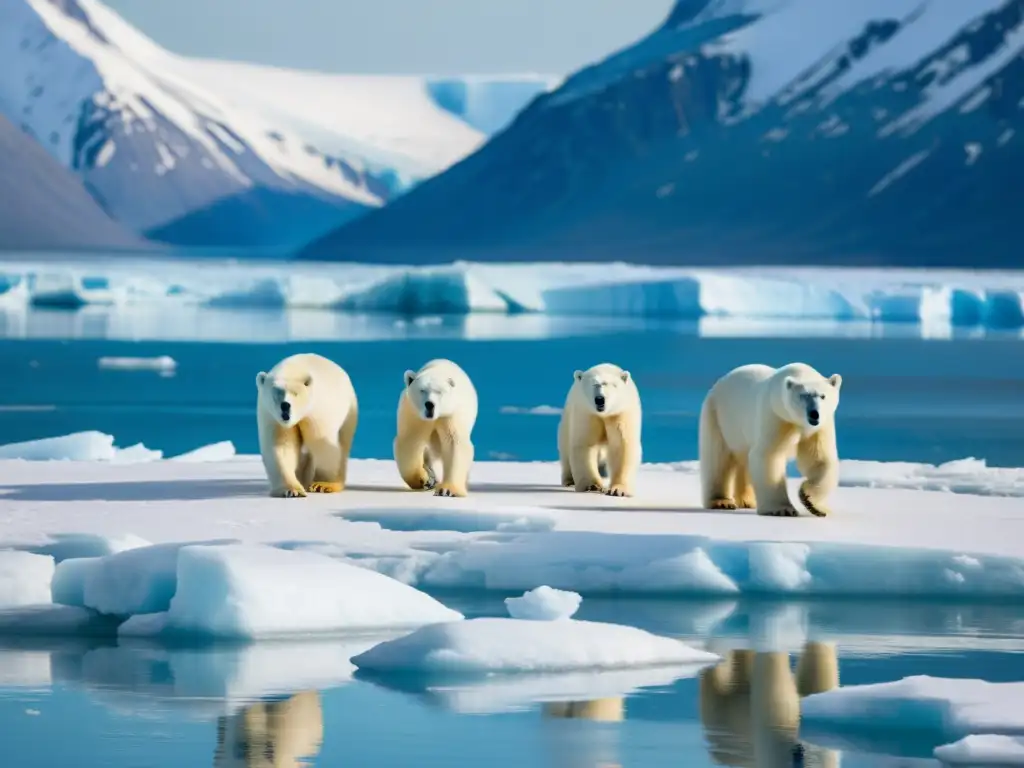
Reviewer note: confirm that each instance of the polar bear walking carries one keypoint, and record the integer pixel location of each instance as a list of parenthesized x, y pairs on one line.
[(306, 414), (601, 423), (756, 418), (436, 415)]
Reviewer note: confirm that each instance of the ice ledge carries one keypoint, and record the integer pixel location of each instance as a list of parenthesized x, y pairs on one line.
[(943, 298)]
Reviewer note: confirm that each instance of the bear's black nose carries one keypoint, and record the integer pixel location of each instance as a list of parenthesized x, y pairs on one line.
[(813, 415), (599, 402), (428, 408), (286, 410)]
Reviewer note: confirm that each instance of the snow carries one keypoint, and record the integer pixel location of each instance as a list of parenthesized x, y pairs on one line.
[(194, 132), (229, 590), (518, 530), (543, 604), (392, 121), (197, 547), (936, 298), (501, 646), (221, 451), (24, 578), (78, 446), (987, 750), (943, 708), (98, 446)]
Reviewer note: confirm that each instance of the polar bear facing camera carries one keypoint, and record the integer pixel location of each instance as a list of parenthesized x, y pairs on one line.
[(306, 414), (436, 415), (601, 423), (753, 421)]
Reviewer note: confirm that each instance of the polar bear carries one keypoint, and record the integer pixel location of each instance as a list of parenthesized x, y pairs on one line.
[(436, 415), (306, 413), (756, 418), (601, 424)]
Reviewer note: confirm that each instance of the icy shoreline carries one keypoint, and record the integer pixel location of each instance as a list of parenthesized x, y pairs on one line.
[(962, 299)]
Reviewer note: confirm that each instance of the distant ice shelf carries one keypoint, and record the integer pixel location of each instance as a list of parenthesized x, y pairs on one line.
[(945, 298)]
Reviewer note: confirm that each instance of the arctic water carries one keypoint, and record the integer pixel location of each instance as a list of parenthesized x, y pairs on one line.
[(906, 396)]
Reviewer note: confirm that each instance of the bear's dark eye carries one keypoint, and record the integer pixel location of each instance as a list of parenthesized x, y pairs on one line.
[(822, 396)]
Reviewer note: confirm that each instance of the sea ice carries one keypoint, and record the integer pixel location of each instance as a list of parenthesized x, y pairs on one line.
[(78, 446), (946, 707), (506, 519), (543, 604), (247, 591), (525, 531), (24, 578), (983, 750), (221, 451), (162, 364), (492, 645)]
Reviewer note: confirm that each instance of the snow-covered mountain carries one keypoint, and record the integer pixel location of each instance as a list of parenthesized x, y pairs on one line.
[(212, 153), (749, 132), (43, 206)]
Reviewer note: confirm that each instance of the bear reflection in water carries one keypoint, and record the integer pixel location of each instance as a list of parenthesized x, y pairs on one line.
[(584, 748), (271, 734), (750, 707)]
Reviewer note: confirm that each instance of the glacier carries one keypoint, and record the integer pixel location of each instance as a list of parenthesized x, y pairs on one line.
[(742, 132), (937, 300)]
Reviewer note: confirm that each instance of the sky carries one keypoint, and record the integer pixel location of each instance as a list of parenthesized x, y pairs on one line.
[(444, 37)]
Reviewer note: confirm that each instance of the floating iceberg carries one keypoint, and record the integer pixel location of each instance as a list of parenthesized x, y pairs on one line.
[(543, 604), (244, 591), (943, 707), (492, 646), (988, 750)]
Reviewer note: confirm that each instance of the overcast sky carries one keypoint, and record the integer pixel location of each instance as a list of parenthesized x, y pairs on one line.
[(399, 36)]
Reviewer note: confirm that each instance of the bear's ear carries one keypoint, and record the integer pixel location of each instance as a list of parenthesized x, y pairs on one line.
[(260, 378), (789, 382), (451, 383), (578, 375), (625, 376), (835, 380), (308, 381), (410, 377)]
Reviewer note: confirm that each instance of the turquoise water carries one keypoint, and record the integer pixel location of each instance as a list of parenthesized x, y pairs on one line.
[(97, 703), (904, 397)]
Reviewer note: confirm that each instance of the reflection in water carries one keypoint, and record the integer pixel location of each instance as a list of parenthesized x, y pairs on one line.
[(750, 707), (271, 734), (586, 747), (183, 322)]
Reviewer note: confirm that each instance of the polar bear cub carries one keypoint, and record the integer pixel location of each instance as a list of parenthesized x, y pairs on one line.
[(306, 413), (756, 418), (601, 422), (436, 415)]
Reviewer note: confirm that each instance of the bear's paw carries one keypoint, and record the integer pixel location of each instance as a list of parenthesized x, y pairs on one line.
[(288, 492), (321, 486)]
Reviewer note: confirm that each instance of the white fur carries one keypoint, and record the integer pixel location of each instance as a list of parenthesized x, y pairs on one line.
[(308, 450), (756, 418), (442, 435), (587, 437)]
